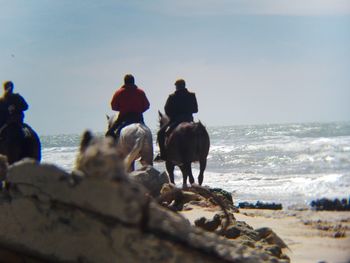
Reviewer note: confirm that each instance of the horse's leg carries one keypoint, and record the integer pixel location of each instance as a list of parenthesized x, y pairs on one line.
[(186, 172), (147, 156), (190, 175), (184, 176), (146, 161), (170, 168), (132, 166), (202, 166), (32, 147)]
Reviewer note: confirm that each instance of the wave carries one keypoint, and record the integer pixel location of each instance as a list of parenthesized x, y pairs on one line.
[(293, 189), (287, 163)]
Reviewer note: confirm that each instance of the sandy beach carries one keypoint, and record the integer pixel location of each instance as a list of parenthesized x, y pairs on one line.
[(311, 236)]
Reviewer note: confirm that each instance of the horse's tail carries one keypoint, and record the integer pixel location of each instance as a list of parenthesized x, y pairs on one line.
[(200, 128), (135, 151), (32, 145), (202, 139)]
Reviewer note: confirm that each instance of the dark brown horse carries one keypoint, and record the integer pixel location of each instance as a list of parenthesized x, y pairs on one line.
[(18, 142), (187, 143)]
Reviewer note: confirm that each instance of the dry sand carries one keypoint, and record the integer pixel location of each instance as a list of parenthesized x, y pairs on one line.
[(311, 236)]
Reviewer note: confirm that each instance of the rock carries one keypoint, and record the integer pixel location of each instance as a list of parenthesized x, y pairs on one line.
[(264, 232), (175, 198), (225, 199), (152, 179), (224, 193), (3, 167), (339, 234), (247, 230), (271, 237), (209, 225), (100, 157), (7, 256), (91, 193), (260, 205), (331, 205), (232, 232), (100, 215), (274, 250)]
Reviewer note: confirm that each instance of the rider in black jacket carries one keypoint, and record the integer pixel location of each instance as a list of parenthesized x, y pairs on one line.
[(12, 106), (179, 107)]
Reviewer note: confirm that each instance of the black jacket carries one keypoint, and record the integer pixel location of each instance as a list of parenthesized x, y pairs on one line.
[(19, 104), (181, 105)]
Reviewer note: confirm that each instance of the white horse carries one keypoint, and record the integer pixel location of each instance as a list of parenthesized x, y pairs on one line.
[(135, 141)]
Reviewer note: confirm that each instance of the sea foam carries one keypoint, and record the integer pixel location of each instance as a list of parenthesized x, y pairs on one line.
[(288, 163)]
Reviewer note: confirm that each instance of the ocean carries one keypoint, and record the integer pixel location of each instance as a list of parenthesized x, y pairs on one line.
[(291, 164)]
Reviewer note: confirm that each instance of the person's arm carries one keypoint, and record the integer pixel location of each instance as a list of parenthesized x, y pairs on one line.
[(23, 104), (3, 111), (18, 104), (194, 104), (115, 105), (146, 103), (169, 108)]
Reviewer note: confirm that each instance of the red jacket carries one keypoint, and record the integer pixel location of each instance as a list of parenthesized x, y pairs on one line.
[(129, 98)]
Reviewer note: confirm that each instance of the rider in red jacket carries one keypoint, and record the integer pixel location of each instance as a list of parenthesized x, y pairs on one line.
[(131, 102)]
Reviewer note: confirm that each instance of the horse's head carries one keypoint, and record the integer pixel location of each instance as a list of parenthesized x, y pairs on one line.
[(110, 120), (163, 119)]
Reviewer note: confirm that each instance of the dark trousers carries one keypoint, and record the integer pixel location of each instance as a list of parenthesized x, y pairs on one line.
[(16, 118), (123, 121)]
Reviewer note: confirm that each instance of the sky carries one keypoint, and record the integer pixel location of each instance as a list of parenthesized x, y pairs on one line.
[(249, 62)]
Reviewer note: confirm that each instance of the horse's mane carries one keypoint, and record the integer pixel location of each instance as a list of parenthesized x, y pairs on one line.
[(163, 119), (111, 119)]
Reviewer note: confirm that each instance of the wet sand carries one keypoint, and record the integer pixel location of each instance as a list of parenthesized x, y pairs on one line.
[(310, 236)]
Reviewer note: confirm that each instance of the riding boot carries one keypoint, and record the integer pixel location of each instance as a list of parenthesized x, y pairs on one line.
[(117, 132), (161, 156)]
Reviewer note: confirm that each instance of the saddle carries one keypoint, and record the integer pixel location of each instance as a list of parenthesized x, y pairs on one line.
[(126, 120), (22, 129), (124, 124), (115, 133), (172, 127)]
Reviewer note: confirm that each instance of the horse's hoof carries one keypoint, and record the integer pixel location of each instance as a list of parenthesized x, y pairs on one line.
[(158, 158)]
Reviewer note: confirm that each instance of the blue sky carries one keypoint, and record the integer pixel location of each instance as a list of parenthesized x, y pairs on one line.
[(249, 62)]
